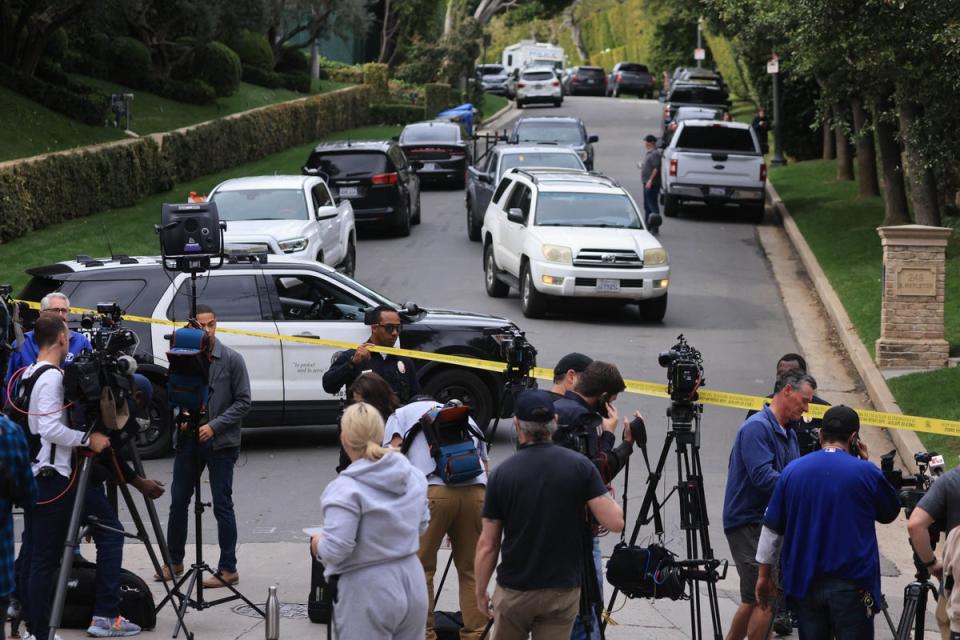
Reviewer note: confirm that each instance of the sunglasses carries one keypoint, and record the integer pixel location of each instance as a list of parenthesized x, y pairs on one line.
[(391, 328)]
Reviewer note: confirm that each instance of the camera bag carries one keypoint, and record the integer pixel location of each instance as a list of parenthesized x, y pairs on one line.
[(644, 572), (447, 624), (136, 599), (450, 437), (322, 595)]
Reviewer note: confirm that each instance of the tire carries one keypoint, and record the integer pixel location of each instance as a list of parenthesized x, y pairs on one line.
[(495, 288), (348, 266), (671, 206), (753, 213), (401, 228), (654, 309), (449, 383), (416, 217), (473, 229), (557, 103), (533, 304), (155, 439), (519, 105)]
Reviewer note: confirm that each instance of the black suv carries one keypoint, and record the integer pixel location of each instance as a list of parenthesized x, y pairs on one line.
[(440, 149), (280, 296), (376, 178)]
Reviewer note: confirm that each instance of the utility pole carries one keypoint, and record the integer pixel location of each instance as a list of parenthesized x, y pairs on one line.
[(699, 39), (773, 68)]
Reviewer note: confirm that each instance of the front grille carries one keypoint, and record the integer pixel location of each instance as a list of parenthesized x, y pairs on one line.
[(624, 284), (608, 258)]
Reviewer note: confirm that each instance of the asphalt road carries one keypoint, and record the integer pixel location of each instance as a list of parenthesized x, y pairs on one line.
[(723, 298)]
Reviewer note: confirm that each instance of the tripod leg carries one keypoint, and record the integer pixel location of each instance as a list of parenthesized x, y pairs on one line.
[(193, 580), (73, 537), (158, 532)]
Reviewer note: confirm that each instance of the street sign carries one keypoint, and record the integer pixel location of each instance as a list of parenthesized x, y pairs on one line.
[(773, 65), (699, 54)]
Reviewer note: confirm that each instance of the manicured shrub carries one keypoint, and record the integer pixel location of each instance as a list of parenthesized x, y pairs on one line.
[(130, 61), (395, 113), (292, 60), (377, 76), (89, 108), (217, 65), (437, 97), (299, 82), (253, 50), (261, 77)]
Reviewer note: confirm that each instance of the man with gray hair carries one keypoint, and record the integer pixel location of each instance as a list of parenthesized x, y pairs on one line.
[(765, 444), (55, 304), (534, 512)]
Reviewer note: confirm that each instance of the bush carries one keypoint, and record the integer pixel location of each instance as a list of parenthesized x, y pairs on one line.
[(344, 73), (299, 82), (436, 98), (217, 65), (130, 62), (194, 91), (395, 113), (90, 108), (376, 76), (253, 50), (261, 77), (56, 46), (292, 61)]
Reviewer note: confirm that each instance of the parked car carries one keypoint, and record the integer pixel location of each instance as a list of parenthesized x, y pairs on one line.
[(375, 177), (696, 75), (717, 163), (562, 130), (288, 215), (553, 233), (538, 85), (688, 113), (281, 296), (692, 95), (493, 78), (484, 178), (440, 149), (585, 81), (630, 78)]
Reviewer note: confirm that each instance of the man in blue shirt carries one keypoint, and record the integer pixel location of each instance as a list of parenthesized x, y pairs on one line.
[(764, 445), (832, 579)]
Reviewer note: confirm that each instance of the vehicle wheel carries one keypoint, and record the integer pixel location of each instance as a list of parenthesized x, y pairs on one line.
[(349, 265), (533, 304), (557, 103), (473, 229), (416, 217), (402, 226), (495, 288), (519, 105), (654, 309), (753, 213), (154, 439), (671, 207), (450, 384)]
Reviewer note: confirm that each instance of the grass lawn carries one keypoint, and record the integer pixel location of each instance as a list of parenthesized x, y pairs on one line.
[(491, 104), (130, 230), (841, 229)]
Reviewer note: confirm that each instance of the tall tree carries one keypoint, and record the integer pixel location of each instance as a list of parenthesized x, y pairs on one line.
[(867, 184), (26, 25), (306, 21)]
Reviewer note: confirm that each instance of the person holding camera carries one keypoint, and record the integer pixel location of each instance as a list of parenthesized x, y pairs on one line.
[(219, 441), (567, 372), (374, 513), (455, 508), (534, 511), (765, 444), (831, 579)]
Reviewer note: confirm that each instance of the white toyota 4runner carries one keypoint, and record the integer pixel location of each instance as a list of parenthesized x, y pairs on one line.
[(717, 163), (288, 215), (569, 233)]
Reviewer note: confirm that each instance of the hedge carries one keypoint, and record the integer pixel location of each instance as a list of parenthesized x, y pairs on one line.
[(90, 108), (35, 193), (437, 97), (299, 82), (377, 76), (386, 113), (253, 49), (217, 65), (261, 77)]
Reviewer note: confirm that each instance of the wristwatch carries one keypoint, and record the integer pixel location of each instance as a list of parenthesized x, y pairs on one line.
[(931, 563)]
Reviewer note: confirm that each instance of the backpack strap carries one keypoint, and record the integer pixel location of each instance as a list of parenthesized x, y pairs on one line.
[(26, 391)]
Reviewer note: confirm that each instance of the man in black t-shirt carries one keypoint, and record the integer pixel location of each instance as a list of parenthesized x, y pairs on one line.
[(535, 512)]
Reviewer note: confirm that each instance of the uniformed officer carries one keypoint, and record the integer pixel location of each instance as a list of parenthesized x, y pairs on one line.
[(398, 371)]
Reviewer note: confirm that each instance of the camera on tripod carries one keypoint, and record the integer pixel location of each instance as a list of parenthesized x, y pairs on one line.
[(519, 354), (912, 487), (656, 572), (684, 366)]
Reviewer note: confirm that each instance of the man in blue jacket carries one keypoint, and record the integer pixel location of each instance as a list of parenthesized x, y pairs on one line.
[(764, 445)]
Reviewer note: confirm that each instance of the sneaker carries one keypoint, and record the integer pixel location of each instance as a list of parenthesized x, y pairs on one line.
[(782, 624), (13, 609), (120, 627), (168, 576)]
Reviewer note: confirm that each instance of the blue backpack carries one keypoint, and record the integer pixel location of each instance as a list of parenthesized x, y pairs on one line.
[(450, 437)]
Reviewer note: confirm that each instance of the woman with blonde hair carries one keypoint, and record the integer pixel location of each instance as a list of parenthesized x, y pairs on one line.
[(373, 515)]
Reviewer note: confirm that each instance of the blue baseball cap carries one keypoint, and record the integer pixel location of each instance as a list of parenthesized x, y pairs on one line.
[(534, 405)]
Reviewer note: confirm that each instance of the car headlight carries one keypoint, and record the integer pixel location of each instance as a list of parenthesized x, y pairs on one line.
[(556, 253), (293, 245), (654, 256)]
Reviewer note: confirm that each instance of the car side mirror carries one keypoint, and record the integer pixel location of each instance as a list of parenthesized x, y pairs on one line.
[(593, 139), (654, 221), (329, 211), (516, 215), (310, 171)]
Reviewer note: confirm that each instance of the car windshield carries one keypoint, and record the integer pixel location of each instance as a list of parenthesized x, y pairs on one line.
[(562, 209), (491, 70), (358, 287), (559, 132), (261, 204), (590, 72), (698, 95), (415, 134), (693, 113), (716, 138), (633, 68), (540, 159), (538, 76), (348, 165)]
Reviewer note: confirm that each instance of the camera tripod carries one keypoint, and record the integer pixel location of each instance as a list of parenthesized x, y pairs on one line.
[(913, 617), (684, 432)]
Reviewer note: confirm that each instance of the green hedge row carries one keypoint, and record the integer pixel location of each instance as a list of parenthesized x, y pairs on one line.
[(299, 82), (387, 113), (39, 193), (89, 108)]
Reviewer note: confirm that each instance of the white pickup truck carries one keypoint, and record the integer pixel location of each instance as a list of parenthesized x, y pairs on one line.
[(717, 163)]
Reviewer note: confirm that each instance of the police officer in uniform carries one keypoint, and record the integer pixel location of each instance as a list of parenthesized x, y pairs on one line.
[(398, 371)]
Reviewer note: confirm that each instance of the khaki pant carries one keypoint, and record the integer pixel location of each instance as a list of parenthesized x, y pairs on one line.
[(943, 620), (542, 614), (455, 512)]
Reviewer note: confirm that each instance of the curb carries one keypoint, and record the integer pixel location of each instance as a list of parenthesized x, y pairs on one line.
[(906, 442), (497, 115)]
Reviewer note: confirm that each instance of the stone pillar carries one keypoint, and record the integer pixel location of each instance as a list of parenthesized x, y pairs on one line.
[(911, 320)]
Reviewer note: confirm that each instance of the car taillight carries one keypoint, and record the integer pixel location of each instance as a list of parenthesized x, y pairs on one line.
[(763, 173), (521, 85), (384, 178), (619, 76), (457, 154), (673, 167), (555, 83)]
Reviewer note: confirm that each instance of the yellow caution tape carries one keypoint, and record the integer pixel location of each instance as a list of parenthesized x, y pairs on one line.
[(655, 389)]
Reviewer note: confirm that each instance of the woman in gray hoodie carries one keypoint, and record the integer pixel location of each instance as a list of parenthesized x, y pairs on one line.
[(373, 516)]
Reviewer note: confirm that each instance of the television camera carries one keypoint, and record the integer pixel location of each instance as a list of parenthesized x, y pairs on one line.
[(912, 487), (684, 366)]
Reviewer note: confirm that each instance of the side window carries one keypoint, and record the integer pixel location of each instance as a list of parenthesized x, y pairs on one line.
[(491, 166), (89, 293), (321, 197), (520, 199), (501, 189), (234, 298), (304, 297), (399, 160)]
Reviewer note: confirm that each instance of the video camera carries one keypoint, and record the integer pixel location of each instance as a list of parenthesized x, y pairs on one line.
[(519, 354), (912, 487), (684, 366)]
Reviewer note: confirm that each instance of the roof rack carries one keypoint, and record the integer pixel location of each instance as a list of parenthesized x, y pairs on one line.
[(249, 258), (534, 174)]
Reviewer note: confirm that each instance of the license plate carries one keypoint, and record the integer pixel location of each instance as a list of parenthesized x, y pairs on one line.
[(591, 81), (429, 166), (605, 284), (348, 192), (718, 191), (538, 86)]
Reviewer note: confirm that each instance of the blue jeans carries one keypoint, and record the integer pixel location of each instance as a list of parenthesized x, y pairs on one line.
[(651, 202), (833, 608), (220, 462), (578, 632)]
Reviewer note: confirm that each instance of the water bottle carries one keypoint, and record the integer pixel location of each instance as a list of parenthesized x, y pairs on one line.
[(272, 622)]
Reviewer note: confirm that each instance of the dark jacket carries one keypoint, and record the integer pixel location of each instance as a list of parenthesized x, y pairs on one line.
[(229, 398), (573, 410), (399, 372)]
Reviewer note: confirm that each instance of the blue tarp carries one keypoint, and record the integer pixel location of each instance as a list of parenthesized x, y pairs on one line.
[(462, 113)]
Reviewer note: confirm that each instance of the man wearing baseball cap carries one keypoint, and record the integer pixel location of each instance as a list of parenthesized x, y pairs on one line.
[(534, 513), (650, 173), (832, 579), (566, 372)]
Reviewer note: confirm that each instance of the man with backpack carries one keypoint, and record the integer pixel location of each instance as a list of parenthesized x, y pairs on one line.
[(444, 442)]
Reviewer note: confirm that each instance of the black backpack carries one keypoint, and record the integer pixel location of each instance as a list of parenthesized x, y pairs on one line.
[(450, 437), (136, 600), (17, 406)]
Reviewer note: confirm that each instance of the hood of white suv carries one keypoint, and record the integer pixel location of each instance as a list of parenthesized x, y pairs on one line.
[(578, 238)]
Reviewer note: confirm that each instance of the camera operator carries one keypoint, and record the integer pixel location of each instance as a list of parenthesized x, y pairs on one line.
[(764, 445), (53, 304), (535, 507), (398, 371), (938, 509), (219, 438), (454, 511), (831, 579), (567, 372)]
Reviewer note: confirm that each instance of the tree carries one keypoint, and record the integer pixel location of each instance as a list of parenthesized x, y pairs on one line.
[(309, 20), (26, 25)]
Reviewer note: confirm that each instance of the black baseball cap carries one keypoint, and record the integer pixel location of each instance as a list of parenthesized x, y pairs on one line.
[(650, 138), (841, 420), (576, 361), (534, 405)]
